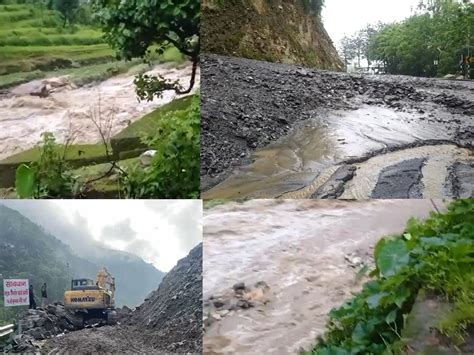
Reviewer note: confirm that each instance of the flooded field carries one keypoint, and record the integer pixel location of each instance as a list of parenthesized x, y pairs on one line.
[(302, 250), (24, 117)]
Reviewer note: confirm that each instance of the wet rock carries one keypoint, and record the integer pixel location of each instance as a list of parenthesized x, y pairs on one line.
[(354, 260), (402, 180), (239, 287), (461, 177), (147, 157), (240, 297), (334, 187)]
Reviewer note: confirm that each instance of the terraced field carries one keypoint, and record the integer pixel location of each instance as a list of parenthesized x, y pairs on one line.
[(34, 44)]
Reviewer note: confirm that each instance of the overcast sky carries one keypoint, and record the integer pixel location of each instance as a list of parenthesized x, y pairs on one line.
[(159, 231), (344, 17)]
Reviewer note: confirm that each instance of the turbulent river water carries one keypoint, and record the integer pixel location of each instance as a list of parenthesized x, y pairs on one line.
[(299, 248), (24, 117)]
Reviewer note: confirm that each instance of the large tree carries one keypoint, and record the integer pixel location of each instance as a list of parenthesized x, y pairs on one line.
[(428, 43), (67, 9), (136, 27)]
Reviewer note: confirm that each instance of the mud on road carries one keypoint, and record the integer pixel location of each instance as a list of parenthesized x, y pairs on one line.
[(306, 253), (274, 130), (104, 340)]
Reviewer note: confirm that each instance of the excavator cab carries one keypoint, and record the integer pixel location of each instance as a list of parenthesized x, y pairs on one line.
[(83, 284)]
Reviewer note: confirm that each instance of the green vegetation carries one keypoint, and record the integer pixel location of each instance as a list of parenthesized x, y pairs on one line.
[(174, 172), (429, 43), (434, 256), (138, 27), (314, 6), (35, 44), (48, 177)]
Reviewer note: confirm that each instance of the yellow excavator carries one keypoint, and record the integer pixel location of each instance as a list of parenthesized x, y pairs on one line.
[(89, 300)]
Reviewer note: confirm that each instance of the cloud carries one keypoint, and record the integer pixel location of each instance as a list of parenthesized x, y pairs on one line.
[(143, 248), (184, 217), (121, 231), (158, 231)]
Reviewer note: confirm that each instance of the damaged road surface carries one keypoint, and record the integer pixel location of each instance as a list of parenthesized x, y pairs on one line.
[(274, 269), (169, 321), (272, 130)]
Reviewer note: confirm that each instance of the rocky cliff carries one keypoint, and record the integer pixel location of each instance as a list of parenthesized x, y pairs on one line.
[(283, 31)]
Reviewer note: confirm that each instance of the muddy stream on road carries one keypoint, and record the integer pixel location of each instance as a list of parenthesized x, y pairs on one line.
[(299, 248), (372, 138), (67, 109)]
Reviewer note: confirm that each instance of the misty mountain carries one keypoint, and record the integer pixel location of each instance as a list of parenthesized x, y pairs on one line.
[(28, 250)]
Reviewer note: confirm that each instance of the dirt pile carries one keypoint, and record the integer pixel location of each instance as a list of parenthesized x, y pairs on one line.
[(277, 31), (174, 310)]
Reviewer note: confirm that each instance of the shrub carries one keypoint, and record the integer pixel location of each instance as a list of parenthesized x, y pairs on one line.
[(436, 255), (49, 177), (174, 172)]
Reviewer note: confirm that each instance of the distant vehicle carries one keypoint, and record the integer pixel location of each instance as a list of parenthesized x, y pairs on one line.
[(89, 300)]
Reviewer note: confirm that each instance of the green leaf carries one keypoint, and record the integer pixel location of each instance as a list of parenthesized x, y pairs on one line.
[(25, 181), (391, 317), (374, 300), (392, 257), (401, 295)]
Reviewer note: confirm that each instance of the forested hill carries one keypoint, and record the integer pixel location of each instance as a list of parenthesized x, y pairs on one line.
[(286, 31), (28, 251)]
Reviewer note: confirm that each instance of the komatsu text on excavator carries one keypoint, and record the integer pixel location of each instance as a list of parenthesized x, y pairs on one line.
[(89, 300)]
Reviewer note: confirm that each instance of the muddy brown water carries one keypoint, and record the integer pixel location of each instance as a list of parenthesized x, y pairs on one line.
[(298, 248), (297, 164), (24, 117)]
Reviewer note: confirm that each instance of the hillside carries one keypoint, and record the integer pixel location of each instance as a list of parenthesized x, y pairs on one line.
[(286, 31), (27, 250), (35, 44)]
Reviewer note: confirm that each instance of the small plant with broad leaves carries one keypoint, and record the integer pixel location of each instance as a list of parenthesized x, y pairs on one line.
[(436, 256), (49, 177), (174, 171)]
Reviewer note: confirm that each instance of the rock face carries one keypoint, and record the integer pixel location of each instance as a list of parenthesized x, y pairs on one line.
[(278, 31), (174, 310)]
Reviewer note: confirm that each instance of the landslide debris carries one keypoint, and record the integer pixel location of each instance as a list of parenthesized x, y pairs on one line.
[(170, 320), (42, 323), (174, 310), (247, 104)]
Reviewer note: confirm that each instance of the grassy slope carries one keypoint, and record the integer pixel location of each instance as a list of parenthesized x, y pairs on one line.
[(34, 45)]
